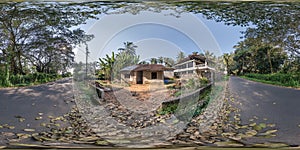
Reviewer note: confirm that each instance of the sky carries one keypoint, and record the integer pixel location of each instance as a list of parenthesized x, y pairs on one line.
[(158, 34)]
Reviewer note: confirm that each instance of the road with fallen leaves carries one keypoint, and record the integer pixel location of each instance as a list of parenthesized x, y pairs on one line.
[(276, 105), (28, 109)]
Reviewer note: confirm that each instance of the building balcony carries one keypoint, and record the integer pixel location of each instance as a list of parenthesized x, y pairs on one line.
[(197, 67)]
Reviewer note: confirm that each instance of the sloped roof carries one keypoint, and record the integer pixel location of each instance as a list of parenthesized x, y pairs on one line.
[(150, 67), (129, 68), (145, 67), (192, 57)]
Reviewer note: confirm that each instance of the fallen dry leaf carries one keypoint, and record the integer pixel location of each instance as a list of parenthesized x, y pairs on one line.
[(102, 143), (271, 145), (11, 127), (38, 118), (252, 124), (251, 133), (271, 125), (29, 130), (21, 119), (7, 134), (271, 131), (228, 144), (23, 135)]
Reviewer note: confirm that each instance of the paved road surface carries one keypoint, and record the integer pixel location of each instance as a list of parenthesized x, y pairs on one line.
[(278, 105), (52, 99)]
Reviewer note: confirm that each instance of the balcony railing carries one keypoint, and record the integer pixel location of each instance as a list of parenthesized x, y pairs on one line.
[(200, 65)]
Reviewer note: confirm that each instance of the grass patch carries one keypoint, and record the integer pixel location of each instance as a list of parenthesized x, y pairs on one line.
[(287, 80), (195, 106), (170, 109), (207, 96)]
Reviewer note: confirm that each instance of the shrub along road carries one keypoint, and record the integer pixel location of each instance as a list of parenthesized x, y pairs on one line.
[(271, 104)]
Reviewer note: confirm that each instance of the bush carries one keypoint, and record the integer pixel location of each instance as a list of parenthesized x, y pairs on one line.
[(67, 74), (29, 79), (170, 109), (204, 81), (177, 94), (288, 79)]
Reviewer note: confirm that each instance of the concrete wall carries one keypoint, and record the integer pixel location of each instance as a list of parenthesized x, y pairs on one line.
[(169, 74), (146, 77), (133, 77), (131, 80)]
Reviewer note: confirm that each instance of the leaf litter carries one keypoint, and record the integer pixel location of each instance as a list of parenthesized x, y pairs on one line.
[(223, 133)]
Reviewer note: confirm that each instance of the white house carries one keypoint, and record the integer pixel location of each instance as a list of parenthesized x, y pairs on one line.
[(194, 65)]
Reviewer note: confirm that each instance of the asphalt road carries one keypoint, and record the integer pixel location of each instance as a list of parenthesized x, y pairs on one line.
[(271, 104), (52, 99)]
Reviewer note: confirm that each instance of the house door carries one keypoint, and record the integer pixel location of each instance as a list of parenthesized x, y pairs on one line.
[(139, 77)]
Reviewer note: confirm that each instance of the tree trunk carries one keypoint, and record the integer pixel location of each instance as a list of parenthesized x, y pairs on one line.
[(20, 68), (269, 59)]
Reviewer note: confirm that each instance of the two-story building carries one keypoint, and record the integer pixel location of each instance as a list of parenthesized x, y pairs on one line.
[(194, 65)]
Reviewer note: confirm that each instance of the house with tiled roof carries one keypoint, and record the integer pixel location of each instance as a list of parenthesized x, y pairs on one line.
[(143, 73)]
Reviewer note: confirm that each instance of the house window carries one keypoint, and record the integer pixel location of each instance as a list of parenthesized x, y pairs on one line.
[(190, 72), (127, 76), (190, 64), (153, 75)]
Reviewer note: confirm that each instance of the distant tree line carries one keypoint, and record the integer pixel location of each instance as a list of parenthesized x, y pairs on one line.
[(255, 56)]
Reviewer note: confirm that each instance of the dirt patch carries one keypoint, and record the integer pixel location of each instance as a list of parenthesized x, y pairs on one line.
[(141, 97), (141, 92)]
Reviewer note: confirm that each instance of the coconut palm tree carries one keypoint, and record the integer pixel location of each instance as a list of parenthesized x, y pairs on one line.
[(160, 60), (129, 48), (153, 61), (169, 62), (180, 56)]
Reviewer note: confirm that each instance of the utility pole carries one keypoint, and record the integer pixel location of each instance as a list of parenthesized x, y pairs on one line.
[(86, 60)]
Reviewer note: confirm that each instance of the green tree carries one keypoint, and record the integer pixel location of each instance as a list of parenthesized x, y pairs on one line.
[(106, 64), (169, 62), (153, 61), (160, 60), (254, 56), (144, 62), (209, 55), (126, 57), (129, 48), (32, 33), (228, 61), (180, 56)]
